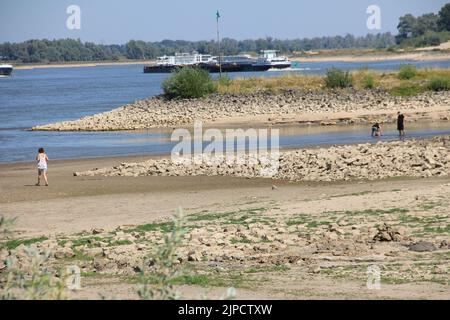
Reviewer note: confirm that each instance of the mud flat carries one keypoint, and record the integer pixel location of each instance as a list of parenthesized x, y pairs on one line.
[(288, 107)]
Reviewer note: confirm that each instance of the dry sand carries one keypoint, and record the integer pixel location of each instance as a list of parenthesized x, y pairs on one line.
[(73, 204)]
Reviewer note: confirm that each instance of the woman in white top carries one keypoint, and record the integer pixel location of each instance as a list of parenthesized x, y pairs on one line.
[(42, 160)]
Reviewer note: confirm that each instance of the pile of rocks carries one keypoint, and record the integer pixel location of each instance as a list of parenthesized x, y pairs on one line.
[(411, 158), (159, 113)]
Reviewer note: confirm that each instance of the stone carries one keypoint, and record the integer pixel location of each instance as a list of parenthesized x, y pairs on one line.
[(387, 233), (422, 246), (97, 231), (63, 253)]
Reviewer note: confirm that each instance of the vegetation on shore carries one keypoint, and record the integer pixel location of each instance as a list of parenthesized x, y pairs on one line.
[(406, 82), (187, 83)]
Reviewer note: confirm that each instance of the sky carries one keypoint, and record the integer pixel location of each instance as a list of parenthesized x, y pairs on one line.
[(118, 21)]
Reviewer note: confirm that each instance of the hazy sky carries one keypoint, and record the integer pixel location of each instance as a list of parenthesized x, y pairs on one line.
[(117, 21)]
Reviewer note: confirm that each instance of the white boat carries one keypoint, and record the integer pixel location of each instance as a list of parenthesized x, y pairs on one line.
[(275, 61), (6, 69), (166, 64)]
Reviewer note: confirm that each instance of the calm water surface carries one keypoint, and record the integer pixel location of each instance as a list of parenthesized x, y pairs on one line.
[(40, 96)]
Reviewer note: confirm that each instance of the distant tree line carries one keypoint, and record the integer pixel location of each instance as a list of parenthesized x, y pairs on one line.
[(426, 30), (66, 50)]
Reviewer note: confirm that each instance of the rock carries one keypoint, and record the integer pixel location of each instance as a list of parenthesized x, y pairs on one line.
[(444, 244), (63, 253), (93, 252), (422, 246), (387, 233), (194, 256), (97, 231)]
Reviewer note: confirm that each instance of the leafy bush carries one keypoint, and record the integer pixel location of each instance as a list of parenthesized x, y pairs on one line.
[(187, 83), (439, 83), (407, 71), (337, 78), (368, 81)]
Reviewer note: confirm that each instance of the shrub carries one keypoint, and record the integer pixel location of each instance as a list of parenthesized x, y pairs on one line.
[(368, 81), (407, 91), (439, 83), (337, 78), (407, 71), (224, 81), (187, 83)]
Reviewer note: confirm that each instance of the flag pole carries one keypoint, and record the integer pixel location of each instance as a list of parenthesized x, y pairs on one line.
[(218, 43)]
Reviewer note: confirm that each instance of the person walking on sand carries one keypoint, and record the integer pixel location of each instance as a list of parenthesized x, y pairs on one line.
[(401, 124), (42, 167)]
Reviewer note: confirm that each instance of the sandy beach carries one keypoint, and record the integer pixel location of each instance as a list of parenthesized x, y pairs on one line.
[(260, 233), (411, 56)]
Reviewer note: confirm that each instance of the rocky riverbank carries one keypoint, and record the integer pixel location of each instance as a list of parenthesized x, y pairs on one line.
[(325, 107), (411, 158)]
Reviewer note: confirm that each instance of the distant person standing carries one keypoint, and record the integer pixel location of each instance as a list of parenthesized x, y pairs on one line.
[(401, 124), (42, 166)]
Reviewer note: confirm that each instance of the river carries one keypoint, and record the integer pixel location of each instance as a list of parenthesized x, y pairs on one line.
[(41, 96)]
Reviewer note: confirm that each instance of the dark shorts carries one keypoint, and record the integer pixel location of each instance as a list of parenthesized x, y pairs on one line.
[(400, 127), (41, 171)]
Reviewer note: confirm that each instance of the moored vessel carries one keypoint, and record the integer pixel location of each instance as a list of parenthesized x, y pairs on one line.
[(6, 69), (235, 63)]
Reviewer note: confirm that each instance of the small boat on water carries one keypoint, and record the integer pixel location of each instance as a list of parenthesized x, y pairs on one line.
[(237, 63), (274, 60), (6, 69)]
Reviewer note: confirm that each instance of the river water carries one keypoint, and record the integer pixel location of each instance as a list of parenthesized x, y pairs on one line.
[(41, 96)]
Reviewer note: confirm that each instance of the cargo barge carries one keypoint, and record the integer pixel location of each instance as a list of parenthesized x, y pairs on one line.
[(238, 63)]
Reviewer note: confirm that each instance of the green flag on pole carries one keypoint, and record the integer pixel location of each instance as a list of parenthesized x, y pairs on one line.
[(218, 15)]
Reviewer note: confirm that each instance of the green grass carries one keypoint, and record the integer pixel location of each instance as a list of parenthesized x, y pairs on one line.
[(264, 269), (370, 212), (234, 280), (429, 229), (79, 256), (89, 242), (407, 72), (232, 216), (441, 83), (430, 205), (298, 219), (404, 83), (240, 240), (316, 224), (164, 227), (12, 244), (407, 90)]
